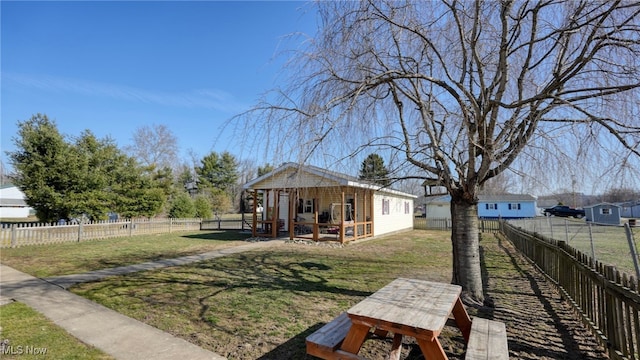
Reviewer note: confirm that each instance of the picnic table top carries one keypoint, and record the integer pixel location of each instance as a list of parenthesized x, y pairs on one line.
[(412, 303)]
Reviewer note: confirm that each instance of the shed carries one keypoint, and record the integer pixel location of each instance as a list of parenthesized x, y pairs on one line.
[(630, 210), (13, 203), (604, 214), (313, 203), (437, 207)]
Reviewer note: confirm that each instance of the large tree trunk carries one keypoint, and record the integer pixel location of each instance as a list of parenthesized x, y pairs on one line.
[(466, 251)]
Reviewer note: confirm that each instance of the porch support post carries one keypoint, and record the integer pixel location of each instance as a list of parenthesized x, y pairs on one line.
[(355, 214), (316, 227), (254, 220), (276, 213), (267, 220), (371, 207), (293, 212), (342, 215)]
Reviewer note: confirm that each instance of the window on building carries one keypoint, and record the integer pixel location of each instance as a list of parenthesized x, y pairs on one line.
[(305, 206), (491, 206), (407, 207), (605, 211), (385, 207), (514, 206)]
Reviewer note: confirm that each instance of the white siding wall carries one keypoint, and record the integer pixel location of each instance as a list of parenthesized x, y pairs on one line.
[(397, 219), (438, 211), (14, 212)]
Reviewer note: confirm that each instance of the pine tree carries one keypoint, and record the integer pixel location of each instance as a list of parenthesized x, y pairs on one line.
[(374, 170)]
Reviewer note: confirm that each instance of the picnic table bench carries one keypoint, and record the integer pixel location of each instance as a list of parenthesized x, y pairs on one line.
[(409, 307)]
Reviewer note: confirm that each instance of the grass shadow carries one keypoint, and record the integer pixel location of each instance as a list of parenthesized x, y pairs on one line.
[(294, 348), (222, 235), (527, 336)]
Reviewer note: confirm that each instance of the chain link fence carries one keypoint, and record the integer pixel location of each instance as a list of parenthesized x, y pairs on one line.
[(605, 243)]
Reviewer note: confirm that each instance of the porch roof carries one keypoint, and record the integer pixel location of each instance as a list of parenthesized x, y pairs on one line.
[(291, 175)]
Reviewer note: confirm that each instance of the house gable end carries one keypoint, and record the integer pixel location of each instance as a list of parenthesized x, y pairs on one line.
[(290, 178)]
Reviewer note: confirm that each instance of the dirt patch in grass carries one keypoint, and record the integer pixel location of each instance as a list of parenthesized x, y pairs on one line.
[(263, 304)]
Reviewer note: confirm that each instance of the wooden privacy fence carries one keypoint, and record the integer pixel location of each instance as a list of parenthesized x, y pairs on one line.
[(607, 300), (16, 235)]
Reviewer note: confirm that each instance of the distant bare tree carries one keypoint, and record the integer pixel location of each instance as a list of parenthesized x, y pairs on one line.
[(247, 170), (4, 176), (500, 184), (621, 195), (154, 146), (465, 90)]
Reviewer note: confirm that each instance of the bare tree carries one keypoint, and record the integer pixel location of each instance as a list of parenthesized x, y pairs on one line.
[(4, 176), (496, 186), (465, 90), (155, 146)]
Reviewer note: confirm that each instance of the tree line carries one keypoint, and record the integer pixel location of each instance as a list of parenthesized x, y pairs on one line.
[(89, 178)]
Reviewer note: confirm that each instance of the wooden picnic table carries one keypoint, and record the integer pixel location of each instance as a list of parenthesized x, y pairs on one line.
[(408, 307)]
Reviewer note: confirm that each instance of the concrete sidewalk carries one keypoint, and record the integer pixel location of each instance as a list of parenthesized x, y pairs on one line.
[(115, 334)]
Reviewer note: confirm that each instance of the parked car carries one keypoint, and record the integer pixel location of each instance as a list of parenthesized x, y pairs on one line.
[(564, 211)]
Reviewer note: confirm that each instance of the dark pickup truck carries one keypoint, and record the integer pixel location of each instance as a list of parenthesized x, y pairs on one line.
[(564, 211)]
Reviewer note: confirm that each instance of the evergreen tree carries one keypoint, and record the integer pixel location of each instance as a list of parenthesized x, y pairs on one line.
[(218, 171), (136, 192), (41, 167), (86, 177), (182, 206), (374, 170), (202, 207), (267, 168)]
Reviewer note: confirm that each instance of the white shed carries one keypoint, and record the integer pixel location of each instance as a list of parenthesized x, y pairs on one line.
[(310, 202)]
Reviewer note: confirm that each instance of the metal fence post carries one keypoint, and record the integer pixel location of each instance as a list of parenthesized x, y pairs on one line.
[(632, 248), (593, 249)]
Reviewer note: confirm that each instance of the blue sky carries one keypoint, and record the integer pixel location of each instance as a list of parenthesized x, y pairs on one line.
[(112, 67)]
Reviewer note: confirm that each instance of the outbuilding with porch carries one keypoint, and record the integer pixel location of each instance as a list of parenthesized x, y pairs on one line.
[(309, 202)]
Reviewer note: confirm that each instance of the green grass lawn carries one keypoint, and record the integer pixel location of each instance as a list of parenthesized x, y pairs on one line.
[(29, 335), (263, 303), (73, 258), (610, 243)]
